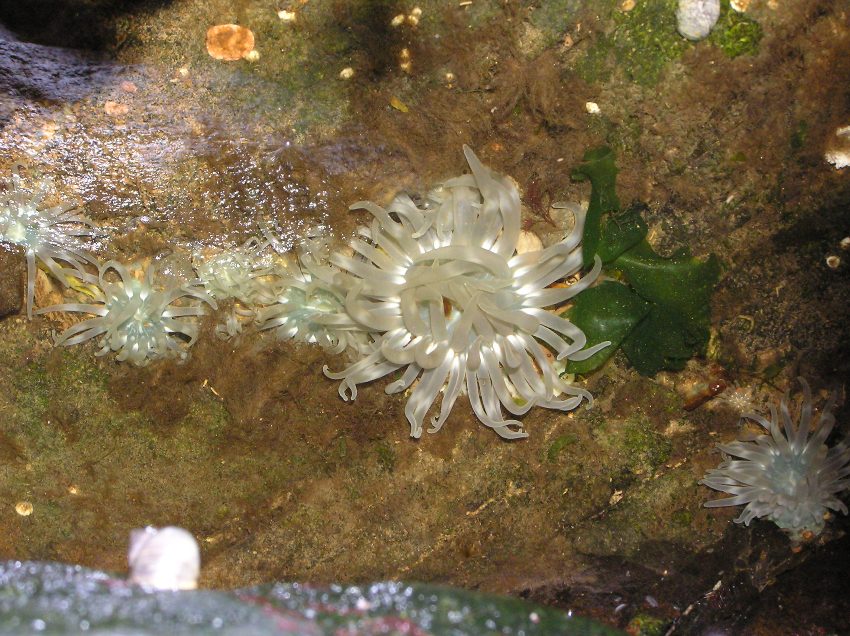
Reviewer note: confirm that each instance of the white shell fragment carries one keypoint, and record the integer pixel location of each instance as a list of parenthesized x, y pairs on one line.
[(696, 18), (839, 152), (528, 242), (164, 558)]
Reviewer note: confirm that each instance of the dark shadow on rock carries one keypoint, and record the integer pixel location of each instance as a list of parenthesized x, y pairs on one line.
[(76, 24), (729, 588), (36, 72)]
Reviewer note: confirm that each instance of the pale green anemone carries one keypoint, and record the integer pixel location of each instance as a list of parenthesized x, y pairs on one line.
[(789, 476)]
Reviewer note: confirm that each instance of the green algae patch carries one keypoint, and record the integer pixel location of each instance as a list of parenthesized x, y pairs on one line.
[(646, 625), (645, 447), (561, 442), (642, 43), (386, 457), (736, 33), (640, 517), (554, 18), (635, 445), (645, 40)]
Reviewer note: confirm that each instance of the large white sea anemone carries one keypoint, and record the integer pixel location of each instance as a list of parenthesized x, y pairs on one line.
[(50, 234), (451, 304), (135, 316), (790, 475)]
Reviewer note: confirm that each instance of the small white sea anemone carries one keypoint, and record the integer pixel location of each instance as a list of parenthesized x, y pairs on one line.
[(236, 273), (789, 476), (309, 305), (134, 316), (243, 274), (448, 299), (49, 233)]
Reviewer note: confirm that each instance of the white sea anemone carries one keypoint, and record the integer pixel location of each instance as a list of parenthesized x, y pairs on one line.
[(244, 274), (309, 304), (789, 476), (49, 233), (134, 316), (451, 303), (236, 273)]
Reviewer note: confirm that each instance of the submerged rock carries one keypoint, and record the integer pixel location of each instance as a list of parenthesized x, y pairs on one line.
[(57, 598)]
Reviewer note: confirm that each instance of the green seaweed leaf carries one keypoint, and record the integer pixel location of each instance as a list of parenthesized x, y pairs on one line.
[(679, 288), (609, 311), (681, 283), (664, 340), (661, 315), (599, 168), (621, 231)]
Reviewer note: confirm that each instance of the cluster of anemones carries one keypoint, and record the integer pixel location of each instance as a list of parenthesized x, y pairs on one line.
[(137, 314), (49, 235), (436, 291)]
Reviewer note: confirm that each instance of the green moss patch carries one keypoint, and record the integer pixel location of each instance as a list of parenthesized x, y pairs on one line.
[(735, 33)]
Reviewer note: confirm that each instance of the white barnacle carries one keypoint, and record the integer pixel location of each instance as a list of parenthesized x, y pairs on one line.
[(134, 316), (790, 475), (49, 234), (450, 302)]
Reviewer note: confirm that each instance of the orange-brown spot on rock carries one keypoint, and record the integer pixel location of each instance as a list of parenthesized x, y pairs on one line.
[(115, 109), (229, 42)]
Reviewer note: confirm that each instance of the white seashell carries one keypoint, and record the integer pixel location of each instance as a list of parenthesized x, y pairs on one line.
[(164, 558), (696, 18)]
